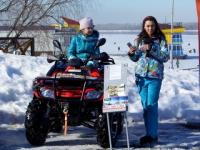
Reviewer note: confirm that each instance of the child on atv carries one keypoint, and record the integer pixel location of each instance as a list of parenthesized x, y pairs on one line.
[(83, 45), (83, 49)]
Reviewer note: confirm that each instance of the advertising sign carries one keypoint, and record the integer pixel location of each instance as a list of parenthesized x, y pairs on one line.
[(115, 97)]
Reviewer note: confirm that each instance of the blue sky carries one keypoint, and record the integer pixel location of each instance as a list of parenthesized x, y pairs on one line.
[(133, 11)]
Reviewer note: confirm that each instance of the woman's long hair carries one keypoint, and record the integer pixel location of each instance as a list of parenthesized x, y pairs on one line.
[(157, 33)]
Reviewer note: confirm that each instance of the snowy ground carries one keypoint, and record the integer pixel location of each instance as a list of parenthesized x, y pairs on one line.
[(179, 104), (172, 135)]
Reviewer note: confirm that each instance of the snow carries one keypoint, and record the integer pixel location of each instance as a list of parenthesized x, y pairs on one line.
[(179, 101), (17, 74)]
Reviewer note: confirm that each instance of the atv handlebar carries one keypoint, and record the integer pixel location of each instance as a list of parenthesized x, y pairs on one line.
[(51, 58), (102, 56)]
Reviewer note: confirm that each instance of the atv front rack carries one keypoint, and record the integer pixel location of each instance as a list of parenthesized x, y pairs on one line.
[(71, 76), (65, 86)]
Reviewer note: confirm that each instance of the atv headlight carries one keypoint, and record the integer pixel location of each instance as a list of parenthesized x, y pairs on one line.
[(93, 95), (47, 93)]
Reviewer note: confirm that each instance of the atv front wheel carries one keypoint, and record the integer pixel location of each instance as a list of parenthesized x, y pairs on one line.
[(35, 123)]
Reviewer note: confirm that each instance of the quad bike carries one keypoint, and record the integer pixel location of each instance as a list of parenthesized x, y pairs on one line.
[(73, 93)]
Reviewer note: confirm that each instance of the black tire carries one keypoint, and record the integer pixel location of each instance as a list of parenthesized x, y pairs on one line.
[(102, 131), (57, 127), (116, 127), (35, 123), (120, 120), (56, 118)]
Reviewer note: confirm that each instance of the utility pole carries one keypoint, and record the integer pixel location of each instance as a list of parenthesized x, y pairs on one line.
[(171, 50)]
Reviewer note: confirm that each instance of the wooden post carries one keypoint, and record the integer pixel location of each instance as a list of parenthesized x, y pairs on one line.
[(32, 47), (65, 124)]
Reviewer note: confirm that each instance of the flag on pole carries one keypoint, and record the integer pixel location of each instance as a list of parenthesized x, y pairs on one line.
[(198, 14)]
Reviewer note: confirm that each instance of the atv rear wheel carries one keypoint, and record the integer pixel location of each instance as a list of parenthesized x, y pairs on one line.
[(116, 126), (120, 124), (35, 123)]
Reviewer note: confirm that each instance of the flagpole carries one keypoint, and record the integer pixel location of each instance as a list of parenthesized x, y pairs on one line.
[(171, 50)]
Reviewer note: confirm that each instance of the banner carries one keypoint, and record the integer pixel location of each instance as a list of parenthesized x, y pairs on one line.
[(198, 14)]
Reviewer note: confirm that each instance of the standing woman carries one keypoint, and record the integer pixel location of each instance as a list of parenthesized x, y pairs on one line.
[(150, 53)]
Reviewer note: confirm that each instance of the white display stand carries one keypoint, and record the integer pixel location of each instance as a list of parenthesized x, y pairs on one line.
[(115, 95)]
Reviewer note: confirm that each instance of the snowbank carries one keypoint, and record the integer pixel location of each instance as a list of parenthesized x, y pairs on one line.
[(179, 97)]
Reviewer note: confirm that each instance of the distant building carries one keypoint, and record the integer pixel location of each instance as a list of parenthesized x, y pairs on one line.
[(64, 32), (176, 41), (69, 23), (42, 36)]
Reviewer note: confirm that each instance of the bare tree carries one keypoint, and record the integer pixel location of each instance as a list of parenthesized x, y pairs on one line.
[(5, 5), (21, 15), (25, 13)]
